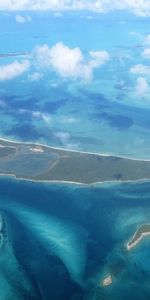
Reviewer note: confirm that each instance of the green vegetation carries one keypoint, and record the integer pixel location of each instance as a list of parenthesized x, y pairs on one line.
[(39, 162)]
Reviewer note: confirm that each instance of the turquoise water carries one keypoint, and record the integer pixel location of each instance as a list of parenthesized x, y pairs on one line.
[(61, 241), (104, 115), (64, 239)]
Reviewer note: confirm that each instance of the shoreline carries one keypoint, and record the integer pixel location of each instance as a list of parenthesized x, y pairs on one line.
[(74, 182), (137, 241), (107, 281), (71, 166), (75, 151)]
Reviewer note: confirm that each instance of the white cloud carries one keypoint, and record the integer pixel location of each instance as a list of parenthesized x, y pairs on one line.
[(20, 19), (42, 55), (138, 7), (37, 115), (35, 76), (63, 137), (98, 58), (13, 70), (146, 53), (140, 69), (43, 116), (142, 87), (23, 19), (69, 62)]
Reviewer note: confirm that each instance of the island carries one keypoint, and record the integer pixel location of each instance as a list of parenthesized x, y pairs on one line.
[(107, 281), (38, 162), (142, 232)]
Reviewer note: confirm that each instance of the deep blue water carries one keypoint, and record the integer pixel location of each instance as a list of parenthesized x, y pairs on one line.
[(63, 240)]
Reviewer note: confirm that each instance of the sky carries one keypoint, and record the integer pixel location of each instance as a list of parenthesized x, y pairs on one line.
[(138, 7)]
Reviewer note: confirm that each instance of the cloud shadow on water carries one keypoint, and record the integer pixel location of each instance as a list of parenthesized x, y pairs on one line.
[(25, 132), (53, 106), (117, 121)]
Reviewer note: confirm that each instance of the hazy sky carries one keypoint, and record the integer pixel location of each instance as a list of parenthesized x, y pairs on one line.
[(138, 7)]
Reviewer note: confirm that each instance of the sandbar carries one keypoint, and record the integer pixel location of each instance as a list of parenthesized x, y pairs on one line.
[(142, 232), (107, 281)]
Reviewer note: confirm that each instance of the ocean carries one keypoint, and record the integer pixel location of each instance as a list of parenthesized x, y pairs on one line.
[(59, 241), (63, 240), (108, 114)]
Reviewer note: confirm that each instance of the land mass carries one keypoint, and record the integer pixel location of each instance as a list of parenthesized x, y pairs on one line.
[(43, 163), (142, 232), (107, 281)]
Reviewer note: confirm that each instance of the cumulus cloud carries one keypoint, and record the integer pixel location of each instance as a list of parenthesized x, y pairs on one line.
[(13, 70), (98, 58), (42, 116), (37, 115), (23, 19), (138, 7), (62, 136), (64, 139), (140, 69), (146, 53), (69, 62), (142, 87)]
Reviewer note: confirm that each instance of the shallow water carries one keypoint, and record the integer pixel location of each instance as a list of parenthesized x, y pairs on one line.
[(65, 239), (104, 115), (60, 241)]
